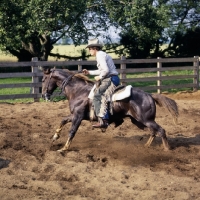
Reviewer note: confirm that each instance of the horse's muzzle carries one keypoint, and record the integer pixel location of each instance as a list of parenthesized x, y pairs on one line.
[(46, 96)]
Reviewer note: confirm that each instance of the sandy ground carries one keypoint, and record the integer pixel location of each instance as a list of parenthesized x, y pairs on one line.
[(112, 165)]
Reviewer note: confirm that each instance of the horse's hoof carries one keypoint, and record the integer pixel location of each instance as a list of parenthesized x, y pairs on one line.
[(61, 150), (55, 137), (103, 130), (167, 149)]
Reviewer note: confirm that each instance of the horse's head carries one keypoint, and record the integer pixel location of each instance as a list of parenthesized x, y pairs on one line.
[(49, 83), (54, 78)]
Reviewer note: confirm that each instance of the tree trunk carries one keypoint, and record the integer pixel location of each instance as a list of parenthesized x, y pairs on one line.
[(22, 54), (37, 47)]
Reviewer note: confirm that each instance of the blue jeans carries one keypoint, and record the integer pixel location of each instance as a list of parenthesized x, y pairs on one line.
[(115, 80)]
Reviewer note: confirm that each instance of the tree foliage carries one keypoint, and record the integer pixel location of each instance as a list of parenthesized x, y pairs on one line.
[(142, 23), (184, 21), (31, 28), (186, 44), (148, 24)]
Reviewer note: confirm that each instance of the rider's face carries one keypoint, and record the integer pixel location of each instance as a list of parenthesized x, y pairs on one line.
[(93, 51)]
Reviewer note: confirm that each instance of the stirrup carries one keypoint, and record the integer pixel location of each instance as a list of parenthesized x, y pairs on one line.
[(103, 123)]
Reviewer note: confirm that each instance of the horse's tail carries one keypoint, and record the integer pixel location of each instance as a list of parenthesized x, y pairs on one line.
[(167, 103)]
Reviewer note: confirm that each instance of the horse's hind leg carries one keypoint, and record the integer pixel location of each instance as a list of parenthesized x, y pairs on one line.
[(156, 129), (165, 142), (63, 122)]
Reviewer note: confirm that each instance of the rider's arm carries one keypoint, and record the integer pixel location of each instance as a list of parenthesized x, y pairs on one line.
[(102, 66)]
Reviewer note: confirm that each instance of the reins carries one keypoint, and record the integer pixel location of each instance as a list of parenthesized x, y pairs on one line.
[(65, 82)]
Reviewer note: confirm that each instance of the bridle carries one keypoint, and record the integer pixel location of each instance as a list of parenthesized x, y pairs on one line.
[(64, 83)]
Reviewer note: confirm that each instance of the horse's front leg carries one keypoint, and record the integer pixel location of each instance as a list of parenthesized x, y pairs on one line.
[(63, 122), (76, 121), (150, 140)]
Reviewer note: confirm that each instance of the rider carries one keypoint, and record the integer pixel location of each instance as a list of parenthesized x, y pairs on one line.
[(107, 75)]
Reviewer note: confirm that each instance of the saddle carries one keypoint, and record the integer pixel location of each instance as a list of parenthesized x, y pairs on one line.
[(121, 92)]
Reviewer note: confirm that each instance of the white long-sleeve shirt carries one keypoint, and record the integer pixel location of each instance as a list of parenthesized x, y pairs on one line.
[(105, 65)]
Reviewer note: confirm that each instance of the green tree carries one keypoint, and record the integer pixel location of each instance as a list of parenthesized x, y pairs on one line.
[(29, 28), (184, 21), (142, 23), (148, 24), (187, 44)]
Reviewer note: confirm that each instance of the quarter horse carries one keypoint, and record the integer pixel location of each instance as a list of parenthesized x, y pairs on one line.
[(140, 106)]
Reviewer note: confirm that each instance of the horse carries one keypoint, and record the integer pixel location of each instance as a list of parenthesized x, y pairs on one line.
[(139, 106)]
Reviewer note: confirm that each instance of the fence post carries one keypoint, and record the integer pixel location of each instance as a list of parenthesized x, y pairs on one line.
[(123, 74), (196, 73), (35, 79), (159, 74), (80, 66)]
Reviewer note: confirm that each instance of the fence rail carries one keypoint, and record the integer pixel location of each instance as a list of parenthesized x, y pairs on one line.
[(36, 73)]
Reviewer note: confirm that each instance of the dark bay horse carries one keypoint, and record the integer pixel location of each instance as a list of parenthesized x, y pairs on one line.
[(140, 107)]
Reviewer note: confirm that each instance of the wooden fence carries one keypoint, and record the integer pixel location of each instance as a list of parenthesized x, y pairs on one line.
[(36, 73)]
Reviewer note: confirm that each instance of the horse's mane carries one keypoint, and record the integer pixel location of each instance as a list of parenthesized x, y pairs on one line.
[(81, 76)]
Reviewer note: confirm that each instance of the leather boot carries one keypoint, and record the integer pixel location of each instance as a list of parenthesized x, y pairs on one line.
[(103, 123)]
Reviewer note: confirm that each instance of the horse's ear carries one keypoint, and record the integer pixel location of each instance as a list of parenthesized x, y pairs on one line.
[(47, 71)]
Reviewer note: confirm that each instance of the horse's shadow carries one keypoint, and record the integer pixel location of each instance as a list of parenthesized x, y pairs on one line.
[(176, 142), (4, 163), (182, 141)]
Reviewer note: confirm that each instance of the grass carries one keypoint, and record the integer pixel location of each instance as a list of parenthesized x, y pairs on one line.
[(164, 82), (7, 58), (24, 90)]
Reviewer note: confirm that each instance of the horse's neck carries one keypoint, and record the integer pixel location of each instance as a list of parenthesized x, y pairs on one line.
[(76, 89)]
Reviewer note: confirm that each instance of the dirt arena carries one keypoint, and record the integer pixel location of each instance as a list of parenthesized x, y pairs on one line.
[(114, 165)]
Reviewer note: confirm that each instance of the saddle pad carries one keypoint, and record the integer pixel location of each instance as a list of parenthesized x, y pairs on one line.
[(91, 94), (122, 94)]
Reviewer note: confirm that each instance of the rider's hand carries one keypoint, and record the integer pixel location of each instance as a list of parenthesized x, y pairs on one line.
[(97, 78), (85, 71)]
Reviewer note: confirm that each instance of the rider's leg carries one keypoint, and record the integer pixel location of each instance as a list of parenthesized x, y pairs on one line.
[(100, 104), (101, 99)]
